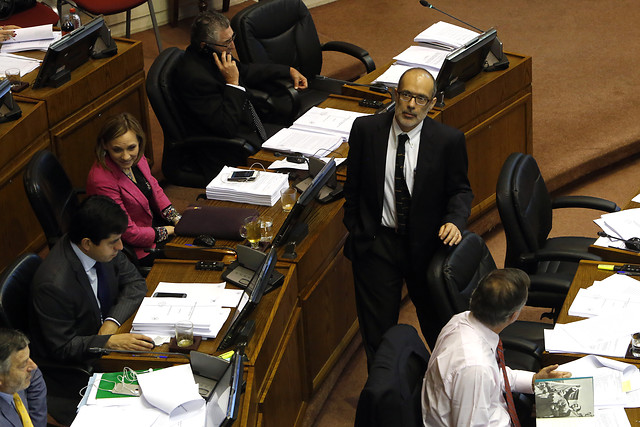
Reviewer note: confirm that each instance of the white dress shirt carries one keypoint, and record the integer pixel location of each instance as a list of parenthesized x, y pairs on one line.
[(463, 385), (389, 218), (89, 265)]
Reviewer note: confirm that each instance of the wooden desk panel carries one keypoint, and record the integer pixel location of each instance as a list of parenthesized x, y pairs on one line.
[(19, 141)]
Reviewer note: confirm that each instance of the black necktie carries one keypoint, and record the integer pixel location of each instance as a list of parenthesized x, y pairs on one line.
[(256, 121), (103, 291), (403, 197)]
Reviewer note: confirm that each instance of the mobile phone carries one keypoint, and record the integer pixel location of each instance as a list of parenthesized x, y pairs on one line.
[(169, 295), (243, 176)]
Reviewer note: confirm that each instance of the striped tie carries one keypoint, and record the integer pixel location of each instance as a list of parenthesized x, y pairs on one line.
[(511, 407), (403, 197), (22, 411), (256, 121)]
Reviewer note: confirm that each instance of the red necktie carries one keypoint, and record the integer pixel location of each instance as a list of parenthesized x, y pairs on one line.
[(511, 407)]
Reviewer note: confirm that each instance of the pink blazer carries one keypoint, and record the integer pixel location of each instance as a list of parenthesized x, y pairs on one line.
[(115, 184)]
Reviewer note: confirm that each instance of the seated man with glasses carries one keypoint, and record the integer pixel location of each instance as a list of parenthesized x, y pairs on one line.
[(210, 83), (407, 193)]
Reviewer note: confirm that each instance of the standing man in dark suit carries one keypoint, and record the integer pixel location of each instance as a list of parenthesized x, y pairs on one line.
[(23, 393), (211, 83), (402, 200), (86, 288)]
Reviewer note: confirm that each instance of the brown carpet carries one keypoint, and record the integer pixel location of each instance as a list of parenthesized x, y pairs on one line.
[(584, 104)]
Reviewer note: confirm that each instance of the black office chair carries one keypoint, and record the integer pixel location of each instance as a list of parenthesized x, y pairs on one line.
[(54, 200), (64, 380), (453, 274), (52, 197), (283, 32), (391, 396), (525, 208), (182, 151)]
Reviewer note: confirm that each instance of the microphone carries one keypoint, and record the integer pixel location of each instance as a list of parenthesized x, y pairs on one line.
[(376, 87), (163, 355), (426, 4), (631, 244), (496, 59)]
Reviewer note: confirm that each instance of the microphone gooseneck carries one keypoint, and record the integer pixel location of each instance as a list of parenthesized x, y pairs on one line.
[(426, 4)]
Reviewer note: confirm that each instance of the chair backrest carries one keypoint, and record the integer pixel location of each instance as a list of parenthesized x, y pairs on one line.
[(51, 194), (454, 272), (524, 205), (279, 32), (39, 14), (391, 396), (14, 292)]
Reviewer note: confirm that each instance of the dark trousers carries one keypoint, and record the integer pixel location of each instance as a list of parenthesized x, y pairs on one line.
[(379, 275)]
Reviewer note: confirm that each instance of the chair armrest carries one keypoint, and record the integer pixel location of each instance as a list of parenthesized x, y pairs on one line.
[(548, 255), (557, 283), (261, 97), (352, 50), (51, 366), (220, 143), (586, 202)]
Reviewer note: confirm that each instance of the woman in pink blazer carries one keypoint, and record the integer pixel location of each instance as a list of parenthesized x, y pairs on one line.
[(122, 173)]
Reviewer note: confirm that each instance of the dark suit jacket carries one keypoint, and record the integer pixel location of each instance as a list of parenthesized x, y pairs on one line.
[(34, 399), (114, 184), (209, 105), (441, 191), (65, 316)]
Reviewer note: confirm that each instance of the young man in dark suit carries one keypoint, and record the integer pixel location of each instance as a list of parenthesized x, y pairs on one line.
[(86, 288), (407, 192)]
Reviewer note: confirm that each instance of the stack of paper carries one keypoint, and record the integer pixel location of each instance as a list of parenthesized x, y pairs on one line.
[(425, 57), (304, 166), (328, 121), (303, 142), (623, 224), (614, 294), (607, 335), (205, 306), (263, 191), (446, 36), (9, 60), (31, 38)]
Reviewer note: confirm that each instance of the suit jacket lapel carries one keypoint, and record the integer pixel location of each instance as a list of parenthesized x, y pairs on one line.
[(9, 413), (424, 160), (83, 281), (128, 186), (379, 147)]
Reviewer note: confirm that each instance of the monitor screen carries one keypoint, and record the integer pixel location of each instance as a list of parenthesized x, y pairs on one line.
[(301, 209), (464, 63), (68, 53), (250, 298), (224, 402)]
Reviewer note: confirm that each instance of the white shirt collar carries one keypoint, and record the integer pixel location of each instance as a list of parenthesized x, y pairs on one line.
[(487, 334), (87, 262), (414, 134)]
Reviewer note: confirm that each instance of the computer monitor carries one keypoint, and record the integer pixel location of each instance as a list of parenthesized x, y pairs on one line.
[(301, 209), (72, 50), (464, 63), (250, 298), (224, 402)]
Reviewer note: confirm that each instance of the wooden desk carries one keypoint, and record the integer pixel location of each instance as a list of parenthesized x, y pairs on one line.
[(19, 141), (494, 112), (310, 322), (274, 352), (618, 255), (586, 274)]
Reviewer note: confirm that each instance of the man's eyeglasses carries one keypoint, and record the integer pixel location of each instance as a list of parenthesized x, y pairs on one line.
[(227, 43), (408, 96)]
